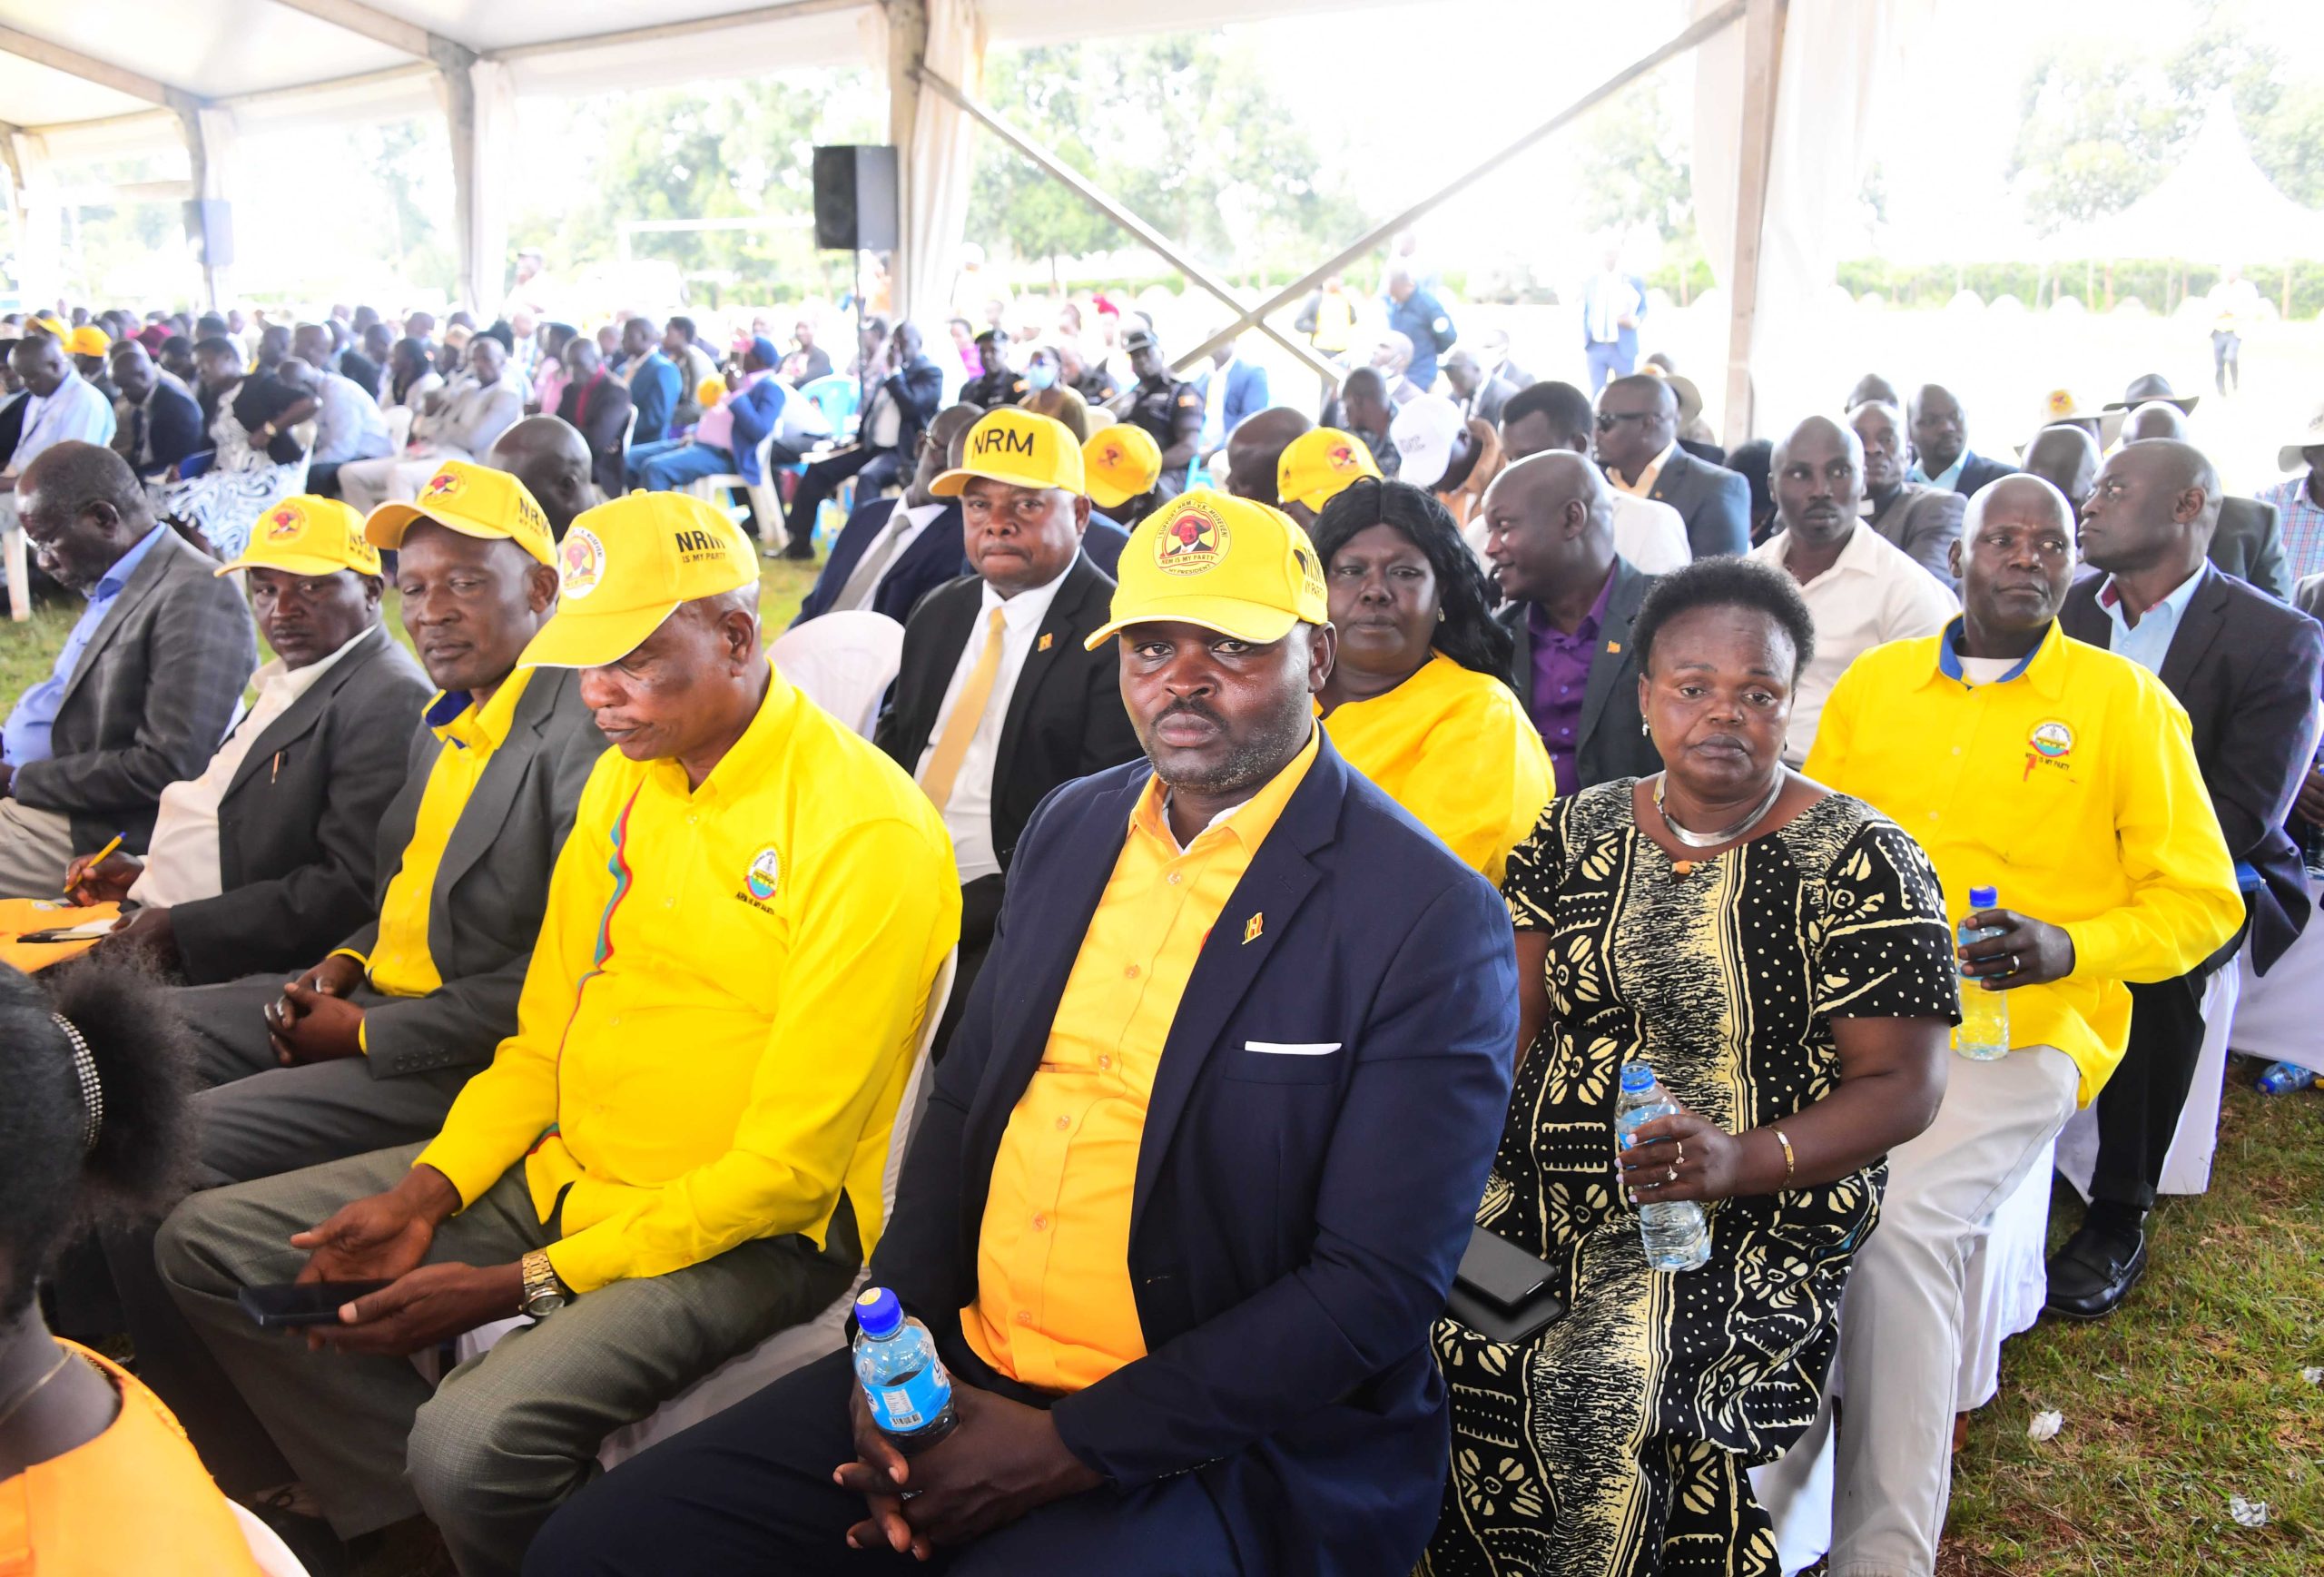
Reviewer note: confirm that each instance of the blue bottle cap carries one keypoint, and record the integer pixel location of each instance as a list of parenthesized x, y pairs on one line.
[(1638, 1077), (877, 1312), (1982, 898)]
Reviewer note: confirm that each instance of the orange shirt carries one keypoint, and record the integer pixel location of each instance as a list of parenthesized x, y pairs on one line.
[(134, 1499), (1055, 1308)]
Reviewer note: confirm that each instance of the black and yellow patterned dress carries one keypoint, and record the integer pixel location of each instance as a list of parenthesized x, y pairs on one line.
[(1615, 1443)]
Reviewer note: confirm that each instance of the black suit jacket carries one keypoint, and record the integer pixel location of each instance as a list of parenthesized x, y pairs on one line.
[(155, 437), (149, 700), (1611, 742), (917, 389), (360, 369), (11, 426), (1324, 1111), (2247, 669), (1976, 472), (298, 829), (1065, 718), (2249, 545), (934, 557), (1715, 503), (601, 419)]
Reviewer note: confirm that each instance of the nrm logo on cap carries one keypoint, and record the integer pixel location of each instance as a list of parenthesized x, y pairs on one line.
[(1191, 541), (583, 561), (285, 524), (1008, 440), (444, 484), (694, 544)]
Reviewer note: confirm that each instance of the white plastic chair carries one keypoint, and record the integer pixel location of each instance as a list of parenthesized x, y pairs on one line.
[(800, 1344), (766, 503), (2186, 1167), (2277, 1018), (844, 661), (398, 420), (273, 1556)]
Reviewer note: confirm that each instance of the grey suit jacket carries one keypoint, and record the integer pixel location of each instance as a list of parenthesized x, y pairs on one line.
[(149, 700), (1715, 503), (298, 829), (1925, 522), (2250, 546), (1610, 741), (491, 890)]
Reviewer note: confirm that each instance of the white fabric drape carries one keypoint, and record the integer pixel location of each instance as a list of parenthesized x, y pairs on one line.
[(40, 259), (939, 162), (220, 143), (1839, 59), (491, 160)]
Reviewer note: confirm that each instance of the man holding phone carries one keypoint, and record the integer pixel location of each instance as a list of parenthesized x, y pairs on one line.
[(679, 1151)]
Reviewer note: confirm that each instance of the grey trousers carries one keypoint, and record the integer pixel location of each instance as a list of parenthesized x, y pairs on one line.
[(35, 848), (490, 1454), (255, 1120)]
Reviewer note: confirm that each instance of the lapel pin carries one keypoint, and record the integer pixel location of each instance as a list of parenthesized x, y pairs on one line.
[(1613, 646), (1258, 923), (1045, 643)]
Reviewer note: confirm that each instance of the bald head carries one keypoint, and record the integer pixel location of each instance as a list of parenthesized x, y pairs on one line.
[(1255, 446), (551, 457), (2154, 421), (947, 431), (2065, 456), (1940, 428), (1550, 529), (1873, 390), (1637, 418), (2151, 514)]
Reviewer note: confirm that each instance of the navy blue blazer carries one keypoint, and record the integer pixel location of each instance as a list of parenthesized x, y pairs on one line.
[(1976, 472), (933, 558), (1102, 542), (1325, 1108)]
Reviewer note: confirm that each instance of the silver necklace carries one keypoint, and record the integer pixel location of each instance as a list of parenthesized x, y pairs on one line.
[(1728, 835)]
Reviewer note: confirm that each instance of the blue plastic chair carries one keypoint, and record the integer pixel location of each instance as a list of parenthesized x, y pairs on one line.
[(835, 394)]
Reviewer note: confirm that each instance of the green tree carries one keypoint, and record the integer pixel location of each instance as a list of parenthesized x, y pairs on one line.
[(1635, 171), (2099, 129)]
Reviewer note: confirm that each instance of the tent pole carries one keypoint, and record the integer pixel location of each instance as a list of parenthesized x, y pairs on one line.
[(1763, 31)]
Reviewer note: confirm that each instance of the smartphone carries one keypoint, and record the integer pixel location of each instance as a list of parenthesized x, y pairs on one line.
[(288, 1305)]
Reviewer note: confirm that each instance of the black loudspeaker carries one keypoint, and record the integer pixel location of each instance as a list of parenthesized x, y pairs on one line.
[(210, 222), (855, 198)]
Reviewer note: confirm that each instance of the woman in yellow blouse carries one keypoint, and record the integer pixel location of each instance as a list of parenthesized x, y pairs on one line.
[(96, 1479), (1418, 700)]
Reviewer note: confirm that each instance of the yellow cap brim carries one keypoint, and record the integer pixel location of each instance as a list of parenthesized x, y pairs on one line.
[(1108, 497), (385, 527), (1256, 622), (292, 564), (574, 638), (952, 484)]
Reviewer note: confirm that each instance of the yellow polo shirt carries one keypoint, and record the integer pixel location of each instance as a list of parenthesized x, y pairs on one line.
[(1455, 748), (401, 965), (722, 1008), (2071, 787), (1055, 1306)]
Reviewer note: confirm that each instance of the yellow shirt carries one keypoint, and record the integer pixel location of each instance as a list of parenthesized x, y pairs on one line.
[(2071, 787), (134, 1499), (401, 965), (1455, 748), (723, 1005), (1055, 1308)]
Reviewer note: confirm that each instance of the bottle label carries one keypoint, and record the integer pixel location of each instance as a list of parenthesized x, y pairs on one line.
[(911, 1402)]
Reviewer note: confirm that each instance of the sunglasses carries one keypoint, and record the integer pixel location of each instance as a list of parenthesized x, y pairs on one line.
[(1608, 420)]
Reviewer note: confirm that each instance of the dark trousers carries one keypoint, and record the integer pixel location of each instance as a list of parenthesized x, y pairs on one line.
[(749, 1492), (979, 912), (2138, 1110), (2227, 358), (322, 477), (875, 471)]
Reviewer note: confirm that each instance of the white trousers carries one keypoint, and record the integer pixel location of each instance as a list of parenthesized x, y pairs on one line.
[(1901, 1328), (365, 485)]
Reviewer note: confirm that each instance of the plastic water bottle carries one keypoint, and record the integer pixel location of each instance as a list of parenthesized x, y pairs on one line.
[(1984, 1034), (901, 1377), (1677, 1237), (2284, 1078)]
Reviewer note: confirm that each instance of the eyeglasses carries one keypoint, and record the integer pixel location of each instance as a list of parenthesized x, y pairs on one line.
[(1609, 419)]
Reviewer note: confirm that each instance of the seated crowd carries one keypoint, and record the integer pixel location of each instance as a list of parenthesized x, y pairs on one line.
[(1337, 816)]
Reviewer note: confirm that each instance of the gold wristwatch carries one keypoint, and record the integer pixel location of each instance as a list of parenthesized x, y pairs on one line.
[(544, 1293)]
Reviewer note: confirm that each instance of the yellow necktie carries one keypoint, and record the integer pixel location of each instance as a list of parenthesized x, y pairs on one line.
[(967, 713)]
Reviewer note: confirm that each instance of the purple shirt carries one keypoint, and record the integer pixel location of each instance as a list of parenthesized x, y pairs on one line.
[(1560, 673)]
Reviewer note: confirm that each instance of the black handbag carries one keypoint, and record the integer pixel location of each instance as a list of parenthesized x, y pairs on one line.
[(1502, 1293)]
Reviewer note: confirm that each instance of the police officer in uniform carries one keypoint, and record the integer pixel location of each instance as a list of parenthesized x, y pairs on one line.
[(997, 385), (1167, 409), (1418, 317)]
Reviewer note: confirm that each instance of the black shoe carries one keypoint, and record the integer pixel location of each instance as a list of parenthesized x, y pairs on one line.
[(2095, 1272), (799, 547)]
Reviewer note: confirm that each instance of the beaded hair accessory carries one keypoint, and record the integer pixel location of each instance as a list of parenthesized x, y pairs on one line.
[(92, 1094)]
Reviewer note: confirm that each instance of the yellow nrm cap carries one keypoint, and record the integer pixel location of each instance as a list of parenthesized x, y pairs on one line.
[(305, 535), (1319, 465), (88, 339), (1224, 563), (1019, 447), (1123, 462), (626, 566), (474, 500)]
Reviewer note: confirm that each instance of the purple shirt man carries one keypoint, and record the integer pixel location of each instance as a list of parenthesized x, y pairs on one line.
[(1561, 676)]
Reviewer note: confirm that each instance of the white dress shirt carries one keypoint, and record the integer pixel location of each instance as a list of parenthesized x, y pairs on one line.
[(1650, 533), (1644, 485), (182, 860), (1873, 594), (75, 412), (968, 815), (348, 423)]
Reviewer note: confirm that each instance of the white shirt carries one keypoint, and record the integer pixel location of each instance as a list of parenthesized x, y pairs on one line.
[(182, 860), (1873, 594), (1650, 533), (1646, 477), (968, 815), (905, 523), (76, 411)]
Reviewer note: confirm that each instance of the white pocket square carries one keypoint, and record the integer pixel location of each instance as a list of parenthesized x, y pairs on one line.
[(1292, 1048)]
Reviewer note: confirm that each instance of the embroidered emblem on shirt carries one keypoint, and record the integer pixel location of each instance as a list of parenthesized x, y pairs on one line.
[(765, 873), (2052, 743)]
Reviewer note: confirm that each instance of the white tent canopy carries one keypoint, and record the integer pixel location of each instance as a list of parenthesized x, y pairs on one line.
[(2216, 203), (119, 78)]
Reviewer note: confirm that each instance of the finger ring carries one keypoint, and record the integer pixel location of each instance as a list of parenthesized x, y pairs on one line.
[(2013, 965), (1674, 1174), (1682, 1152)]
